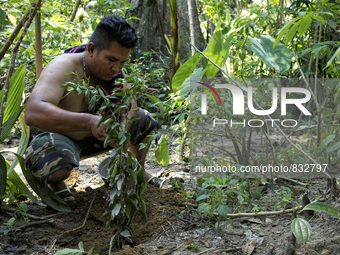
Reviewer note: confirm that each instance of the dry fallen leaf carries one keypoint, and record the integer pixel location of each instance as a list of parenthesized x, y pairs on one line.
[(190, 241), (206, 244), (249, 247)]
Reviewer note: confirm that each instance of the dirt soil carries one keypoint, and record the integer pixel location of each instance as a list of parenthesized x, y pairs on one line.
[(167, 231)]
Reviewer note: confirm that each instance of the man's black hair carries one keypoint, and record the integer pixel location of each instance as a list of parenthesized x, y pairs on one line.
[(113, 28)]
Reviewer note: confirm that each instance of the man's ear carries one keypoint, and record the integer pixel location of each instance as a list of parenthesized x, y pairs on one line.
[(91, 48)]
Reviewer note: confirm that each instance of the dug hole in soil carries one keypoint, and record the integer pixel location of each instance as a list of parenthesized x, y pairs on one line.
[(167, 231)]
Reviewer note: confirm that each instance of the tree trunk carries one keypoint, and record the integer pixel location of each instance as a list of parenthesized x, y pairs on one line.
[(155, 22), (191, 26), (175, 61)]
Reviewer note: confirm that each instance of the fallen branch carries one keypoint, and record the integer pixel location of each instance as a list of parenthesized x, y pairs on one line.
[(189, 204), (268, 117), (236, 215), (294, 181)]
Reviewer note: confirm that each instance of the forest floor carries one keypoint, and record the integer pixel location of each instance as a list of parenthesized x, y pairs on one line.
[(55, 230)]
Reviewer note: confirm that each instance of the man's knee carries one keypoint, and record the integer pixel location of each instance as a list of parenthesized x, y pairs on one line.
[(59, 175)]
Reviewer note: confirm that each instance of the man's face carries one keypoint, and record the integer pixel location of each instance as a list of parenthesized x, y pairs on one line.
[(109, 61)]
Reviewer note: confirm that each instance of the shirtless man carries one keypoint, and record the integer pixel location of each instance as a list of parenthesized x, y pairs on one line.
[(68, 131)]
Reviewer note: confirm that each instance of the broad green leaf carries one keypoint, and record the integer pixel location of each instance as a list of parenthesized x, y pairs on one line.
[(128, 210), (53, 200), (2, 14), (14, 96), (292, 31), (184, 71), (304, 25), (15, 179), (162, 152), (279, 58), (157, 102), (217, 51), (203, 197), (8, 125), (325, 142), (206, 210), (222, 210), (191, 82), (333, 147), (301, 229), (323, 207), (284, 30), (257, 194), (25, 135), (3, 177), (333, 57)]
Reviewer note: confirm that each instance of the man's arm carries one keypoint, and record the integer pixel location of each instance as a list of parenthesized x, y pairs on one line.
[(42, 110)]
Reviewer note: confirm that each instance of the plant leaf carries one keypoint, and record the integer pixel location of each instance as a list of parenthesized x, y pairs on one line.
[(125, 233), (304, 25), (279, 58), (14, 96), (191, 82), (8, 125), (184, 71), (157, 102), (3, 177), (53, 200), (202, 197), (292, 31), (217, 51), (301, 229), (323, 207), (162, 152), (333, 57), (222, 210), (333, 147), (25, 135)]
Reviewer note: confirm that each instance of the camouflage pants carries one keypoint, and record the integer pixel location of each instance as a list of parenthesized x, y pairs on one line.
[(49, 152)]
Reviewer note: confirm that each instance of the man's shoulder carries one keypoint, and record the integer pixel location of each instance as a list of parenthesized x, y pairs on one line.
[(63, 64)]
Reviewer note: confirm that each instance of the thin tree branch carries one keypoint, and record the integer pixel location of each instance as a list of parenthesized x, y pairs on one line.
[(76, 6), (11, 66), (14, 34)]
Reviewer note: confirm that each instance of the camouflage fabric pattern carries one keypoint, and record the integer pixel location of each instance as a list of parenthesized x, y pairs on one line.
[(49, 152), (142, 127)]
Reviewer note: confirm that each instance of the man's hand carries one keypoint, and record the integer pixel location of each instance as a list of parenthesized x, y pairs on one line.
[(100, 132)]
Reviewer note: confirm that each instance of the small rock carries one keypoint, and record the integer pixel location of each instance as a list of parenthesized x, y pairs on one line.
[(325, 252), (268, 220), (166, 252), (219, 238), (160, 246), (261, 234)]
